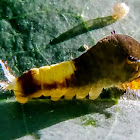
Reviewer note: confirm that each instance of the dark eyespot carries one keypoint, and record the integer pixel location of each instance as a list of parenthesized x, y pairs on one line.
[(133, 59)]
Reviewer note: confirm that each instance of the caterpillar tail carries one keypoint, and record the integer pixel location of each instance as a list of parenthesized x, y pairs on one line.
[(55, 81), (10, 84), (47, 81)]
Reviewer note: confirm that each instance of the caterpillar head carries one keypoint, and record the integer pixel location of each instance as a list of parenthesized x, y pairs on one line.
[(119, 58), (131, 51)]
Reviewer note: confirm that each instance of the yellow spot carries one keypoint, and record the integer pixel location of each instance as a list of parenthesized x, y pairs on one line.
[(56, 73)]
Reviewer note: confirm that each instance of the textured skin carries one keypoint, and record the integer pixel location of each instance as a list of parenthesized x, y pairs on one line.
[(105, 64)]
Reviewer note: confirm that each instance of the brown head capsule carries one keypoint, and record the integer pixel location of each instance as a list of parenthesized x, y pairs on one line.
[(113, 61)]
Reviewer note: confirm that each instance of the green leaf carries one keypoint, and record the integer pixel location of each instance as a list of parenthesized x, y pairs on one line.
[(26, 29)]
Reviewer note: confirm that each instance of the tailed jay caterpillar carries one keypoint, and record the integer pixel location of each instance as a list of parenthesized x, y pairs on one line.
[(113, 61)]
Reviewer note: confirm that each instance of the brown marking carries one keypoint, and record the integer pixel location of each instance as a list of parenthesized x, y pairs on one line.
[(67, 82), (86, 68), (107, 60), (130, 45), (96, 64), (50, 86), (28, 84)]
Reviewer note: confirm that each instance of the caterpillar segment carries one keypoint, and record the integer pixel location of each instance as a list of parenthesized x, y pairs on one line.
[(48, 81), (113, 61)]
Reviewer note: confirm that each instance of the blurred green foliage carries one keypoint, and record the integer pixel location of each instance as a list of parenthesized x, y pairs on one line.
[(26, 29)]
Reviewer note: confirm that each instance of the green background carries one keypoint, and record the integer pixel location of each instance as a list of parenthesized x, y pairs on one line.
[(26, 28)]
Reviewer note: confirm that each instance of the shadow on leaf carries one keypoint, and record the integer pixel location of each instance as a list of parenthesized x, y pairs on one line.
[(19, 120)]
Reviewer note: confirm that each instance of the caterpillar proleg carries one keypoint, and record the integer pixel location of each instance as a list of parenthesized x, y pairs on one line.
[(113, 61)]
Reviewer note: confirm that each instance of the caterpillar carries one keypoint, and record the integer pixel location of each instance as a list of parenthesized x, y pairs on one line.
[(113, 61)]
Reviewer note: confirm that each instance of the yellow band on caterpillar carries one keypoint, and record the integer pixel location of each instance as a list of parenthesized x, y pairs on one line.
[(114, 60), (51, 81)]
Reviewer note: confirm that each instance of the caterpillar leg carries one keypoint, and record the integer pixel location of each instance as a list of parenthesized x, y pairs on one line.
[(83, 92), (71, 93), (95, 92), (57, 94), (21, 99), (80, 92)]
